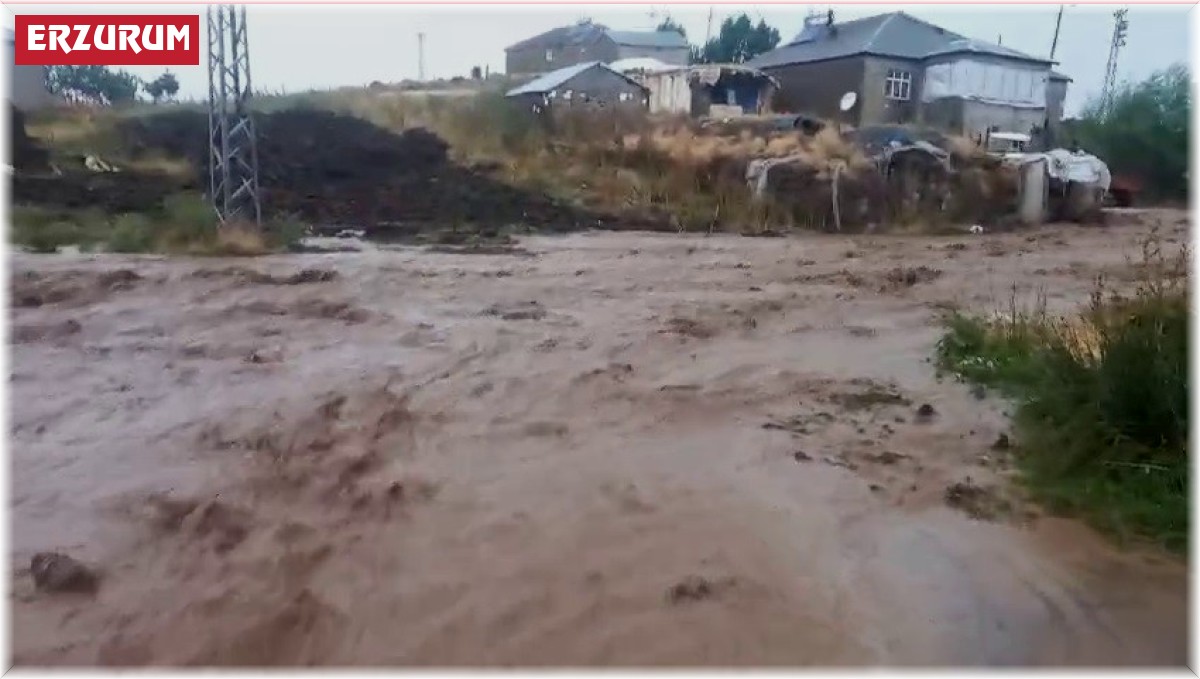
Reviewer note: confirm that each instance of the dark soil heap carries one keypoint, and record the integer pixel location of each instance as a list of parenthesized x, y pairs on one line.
[(340, 171), (24, 152)]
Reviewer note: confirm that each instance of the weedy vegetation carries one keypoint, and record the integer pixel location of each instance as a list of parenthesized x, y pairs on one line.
[(1101, 398)]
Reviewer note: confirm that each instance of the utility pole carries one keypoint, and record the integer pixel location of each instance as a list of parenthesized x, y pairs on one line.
[(421, 57), (1057, 25), (708, 31), (233, 153), (1120, 28)]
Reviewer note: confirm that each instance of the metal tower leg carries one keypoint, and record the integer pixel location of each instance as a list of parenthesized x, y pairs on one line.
[(233, 153)]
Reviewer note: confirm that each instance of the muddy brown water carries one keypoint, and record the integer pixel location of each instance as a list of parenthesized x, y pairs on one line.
[(624, 450)]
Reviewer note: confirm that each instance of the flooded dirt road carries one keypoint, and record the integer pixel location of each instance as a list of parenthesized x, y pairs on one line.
[(613, 449)]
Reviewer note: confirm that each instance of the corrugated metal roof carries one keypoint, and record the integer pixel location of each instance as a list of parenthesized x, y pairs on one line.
[(553, 79), (646, 64), (647, 38), (973, 46), (890, 35)]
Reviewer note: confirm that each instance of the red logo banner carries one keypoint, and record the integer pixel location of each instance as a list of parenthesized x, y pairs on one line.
[(107, 40)]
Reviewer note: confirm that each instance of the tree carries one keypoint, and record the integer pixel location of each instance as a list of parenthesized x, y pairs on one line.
[(1144, 133), (97, 83), (738, 42), (164, 85), (669, 24)]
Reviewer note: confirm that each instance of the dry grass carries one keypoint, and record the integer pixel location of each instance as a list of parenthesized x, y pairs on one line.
[(238, 240), (668, 171)]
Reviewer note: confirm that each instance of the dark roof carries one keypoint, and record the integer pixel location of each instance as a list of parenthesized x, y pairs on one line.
[(587, 33), (577, 34), (555, 79), (1055, 75), (648, 38), (889, 35)]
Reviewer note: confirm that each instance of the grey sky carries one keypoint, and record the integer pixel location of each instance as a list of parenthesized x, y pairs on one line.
[(295, 48)]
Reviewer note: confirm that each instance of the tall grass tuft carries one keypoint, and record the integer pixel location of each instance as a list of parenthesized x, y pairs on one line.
[(1102, 398)]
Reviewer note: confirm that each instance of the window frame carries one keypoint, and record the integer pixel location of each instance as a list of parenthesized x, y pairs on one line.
[(897, 82)]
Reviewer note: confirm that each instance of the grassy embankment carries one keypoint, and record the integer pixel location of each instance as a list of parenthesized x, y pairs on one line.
[(1101, 399), (666, 169)]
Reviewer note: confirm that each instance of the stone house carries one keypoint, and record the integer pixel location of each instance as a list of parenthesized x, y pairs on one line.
[(904, 70), (588, 85), (587, 42)]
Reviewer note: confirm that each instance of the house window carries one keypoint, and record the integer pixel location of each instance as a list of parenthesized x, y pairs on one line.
[(898, 85), (549, 55)]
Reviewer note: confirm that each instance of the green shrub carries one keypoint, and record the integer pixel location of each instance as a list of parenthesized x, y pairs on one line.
[(131, 233), (1102, 401)]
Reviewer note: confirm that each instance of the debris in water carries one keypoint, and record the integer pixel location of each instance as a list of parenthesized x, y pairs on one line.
[(1002, 443), (839, 462), (925, 413), (696, 588), (55, 572), (886, 457), (978, 502), (801, 456)]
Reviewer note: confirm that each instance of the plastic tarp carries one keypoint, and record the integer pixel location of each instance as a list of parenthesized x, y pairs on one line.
[(1011, 85), (1065, 166)]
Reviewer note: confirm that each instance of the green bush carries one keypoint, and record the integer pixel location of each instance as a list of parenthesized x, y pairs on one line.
[(1102, 402), (1144, 133), (131, 233)]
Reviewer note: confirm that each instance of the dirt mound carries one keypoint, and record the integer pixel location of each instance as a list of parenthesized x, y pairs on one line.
[(338, 170), (24, 153)]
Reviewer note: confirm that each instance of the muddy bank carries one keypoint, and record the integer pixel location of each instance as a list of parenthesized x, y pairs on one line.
[(385, 463)]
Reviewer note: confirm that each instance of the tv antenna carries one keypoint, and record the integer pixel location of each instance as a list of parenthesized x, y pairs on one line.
[(1120, 29), (233, 153)]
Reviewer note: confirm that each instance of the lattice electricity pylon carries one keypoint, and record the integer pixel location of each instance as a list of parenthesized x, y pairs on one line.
[(233, 153), (1110, 69)]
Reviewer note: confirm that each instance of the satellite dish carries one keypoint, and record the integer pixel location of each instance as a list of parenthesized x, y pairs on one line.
[(849, 99)]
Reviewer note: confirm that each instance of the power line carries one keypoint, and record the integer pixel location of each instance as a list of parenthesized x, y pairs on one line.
[(1057, 26)]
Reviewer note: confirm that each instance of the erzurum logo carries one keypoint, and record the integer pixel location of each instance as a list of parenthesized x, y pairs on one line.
[(107, 40)]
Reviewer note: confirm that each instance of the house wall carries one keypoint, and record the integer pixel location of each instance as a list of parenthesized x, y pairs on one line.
[(978, 117), (676, 56), (973, 118), (817, 88), (669, 92), (987, 78), (1056, 94), (876, 107), (531, 59)]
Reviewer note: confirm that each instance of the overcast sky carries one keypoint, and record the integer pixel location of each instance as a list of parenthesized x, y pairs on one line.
[(304, 47)]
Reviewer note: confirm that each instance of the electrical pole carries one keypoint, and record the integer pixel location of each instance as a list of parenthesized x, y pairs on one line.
[(233, 153), (421, 57), (1110, 71), (1057, 25)]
